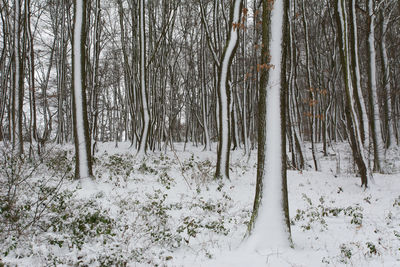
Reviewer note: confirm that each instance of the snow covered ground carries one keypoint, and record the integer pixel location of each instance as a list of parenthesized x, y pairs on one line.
[(168, 211)]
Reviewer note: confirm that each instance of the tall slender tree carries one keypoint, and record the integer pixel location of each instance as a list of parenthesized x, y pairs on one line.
[(386, 68), (373, 93), (143, 82), (358, 95), (224, 91), (204, 102), (83, 161), (19, 59)]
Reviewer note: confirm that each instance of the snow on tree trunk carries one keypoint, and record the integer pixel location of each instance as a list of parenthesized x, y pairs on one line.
[(373, 96), (224, 100), (270, 221), (83, 166), (145, 109)]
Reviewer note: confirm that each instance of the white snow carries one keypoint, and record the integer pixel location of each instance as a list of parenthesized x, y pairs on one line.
[(83, 168), (320, 237)]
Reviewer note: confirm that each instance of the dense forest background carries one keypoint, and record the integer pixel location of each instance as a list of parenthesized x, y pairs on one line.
[(183, 45)]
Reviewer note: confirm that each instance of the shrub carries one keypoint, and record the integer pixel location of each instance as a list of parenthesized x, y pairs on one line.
[(345, 253), (26, 193)]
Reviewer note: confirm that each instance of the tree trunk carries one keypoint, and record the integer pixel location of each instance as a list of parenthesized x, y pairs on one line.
[(358, 95), (204, 102), (18, 80), (83, 162), (391, 138), (373, 95), (143, 85), (224, 92), (269, 226)]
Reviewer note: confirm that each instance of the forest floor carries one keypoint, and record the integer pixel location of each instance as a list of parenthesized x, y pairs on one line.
[(167, 210)]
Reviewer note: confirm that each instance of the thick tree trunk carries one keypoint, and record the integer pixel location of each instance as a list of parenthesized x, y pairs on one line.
[(269, 226)]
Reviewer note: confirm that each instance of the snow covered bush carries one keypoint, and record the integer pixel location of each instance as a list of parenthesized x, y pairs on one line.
[(345, 253), (27, 191), (314, 216), (397, 202)]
